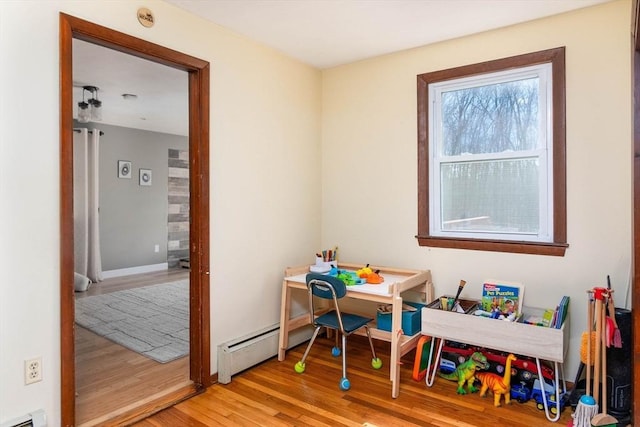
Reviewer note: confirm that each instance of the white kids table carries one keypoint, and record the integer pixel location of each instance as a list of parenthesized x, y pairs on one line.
[(396, 281)]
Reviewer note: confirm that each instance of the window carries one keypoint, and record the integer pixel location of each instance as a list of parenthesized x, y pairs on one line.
[(491, 155)]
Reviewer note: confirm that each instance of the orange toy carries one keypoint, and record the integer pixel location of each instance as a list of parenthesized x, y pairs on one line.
[(375, 278)]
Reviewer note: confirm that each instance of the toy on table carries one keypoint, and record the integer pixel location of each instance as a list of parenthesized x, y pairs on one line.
[(375, 278), (500, 386), (370, 276), (465, 372), (364, 271), (349, 278)]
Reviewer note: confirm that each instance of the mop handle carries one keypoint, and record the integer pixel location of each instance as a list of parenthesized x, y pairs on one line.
[(603, 404), (589, 330), (598, 294)]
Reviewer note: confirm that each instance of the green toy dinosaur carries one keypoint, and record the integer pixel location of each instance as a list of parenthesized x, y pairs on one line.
[(465, 372)]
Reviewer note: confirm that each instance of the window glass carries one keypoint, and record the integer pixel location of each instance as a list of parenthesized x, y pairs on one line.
[(491, 197), (491, 118)]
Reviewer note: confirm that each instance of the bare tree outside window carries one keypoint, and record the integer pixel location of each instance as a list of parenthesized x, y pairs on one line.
[(491, 119)]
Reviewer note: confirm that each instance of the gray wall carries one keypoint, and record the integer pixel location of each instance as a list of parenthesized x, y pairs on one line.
[(133, 218)]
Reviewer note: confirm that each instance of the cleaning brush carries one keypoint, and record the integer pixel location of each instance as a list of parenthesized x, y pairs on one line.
[(588, 344), (587, 407)]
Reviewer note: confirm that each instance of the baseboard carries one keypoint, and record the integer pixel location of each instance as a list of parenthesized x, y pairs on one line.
[(135, 270)]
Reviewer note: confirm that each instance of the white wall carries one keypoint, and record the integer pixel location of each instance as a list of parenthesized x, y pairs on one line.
[(265, 197), (266, 187), (369, 152)]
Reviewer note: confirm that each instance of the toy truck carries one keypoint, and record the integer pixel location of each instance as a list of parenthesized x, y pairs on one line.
[(550, 392)]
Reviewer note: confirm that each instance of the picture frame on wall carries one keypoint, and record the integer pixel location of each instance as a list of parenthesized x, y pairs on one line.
[(124, 169), (146, 177)]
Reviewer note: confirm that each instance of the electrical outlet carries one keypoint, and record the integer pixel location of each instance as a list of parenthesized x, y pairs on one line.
[(156, 248), (33, 370)]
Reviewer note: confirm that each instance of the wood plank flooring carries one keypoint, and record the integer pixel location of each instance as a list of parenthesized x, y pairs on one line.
[(110, 379), (272, 394)]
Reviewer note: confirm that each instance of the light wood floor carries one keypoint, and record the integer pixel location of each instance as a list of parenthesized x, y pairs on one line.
[(111, 379), (272, 394)]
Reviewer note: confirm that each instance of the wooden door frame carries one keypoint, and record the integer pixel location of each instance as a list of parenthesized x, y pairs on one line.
[(635, 304), (200, 364)]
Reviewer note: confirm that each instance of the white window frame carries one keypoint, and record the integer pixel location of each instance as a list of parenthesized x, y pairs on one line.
[(543, 153)]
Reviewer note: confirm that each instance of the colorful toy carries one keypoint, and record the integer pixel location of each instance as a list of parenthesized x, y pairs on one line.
[(350, 278), (375, 278), (550, 394), (370, 276), (520, 392), (465, 372), (422, 358), (500, 386), (364, 272), (525, 366)]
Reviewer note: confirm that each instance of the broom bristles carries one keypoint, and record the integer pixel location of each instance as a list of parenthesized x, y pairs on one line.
[(584, 346), (603, 420)]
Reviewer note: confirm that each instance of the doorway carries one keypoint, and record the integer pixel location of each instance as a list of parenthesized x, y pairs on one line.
[(199, 335)]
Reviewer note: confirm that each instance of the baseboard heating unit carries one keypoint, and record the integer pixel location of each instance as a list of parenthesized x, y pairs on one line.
[(34, 419), (244, 352)]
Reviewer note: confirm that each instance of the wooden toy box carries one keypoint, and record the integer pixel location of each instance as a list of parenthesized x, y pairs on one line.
[(514, 337)]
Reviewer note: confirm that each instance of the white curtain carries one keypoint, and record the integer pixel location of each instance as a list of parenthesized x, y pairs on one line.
[(86, 212)]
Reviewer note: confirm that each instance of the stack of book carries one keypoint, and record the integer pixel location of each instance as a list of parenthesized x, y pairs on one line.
[(560, 313), (548, 318)]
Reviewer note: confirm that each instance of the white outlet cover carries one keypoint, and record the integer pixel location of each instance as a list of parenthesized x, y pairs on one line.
[(33, 370)]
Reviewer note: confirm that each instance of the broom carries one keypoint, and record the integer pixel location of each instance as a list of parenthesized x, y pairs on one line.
[(587, 407), (604, 419)]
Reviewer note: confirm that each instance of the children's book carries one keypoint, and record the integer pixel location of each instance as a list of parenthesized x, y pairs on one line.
[(561, 312), (502, 300)]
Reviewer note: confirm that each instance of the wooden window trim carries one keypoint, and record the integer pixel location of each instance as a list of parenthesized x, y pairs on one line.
[(559, 245)]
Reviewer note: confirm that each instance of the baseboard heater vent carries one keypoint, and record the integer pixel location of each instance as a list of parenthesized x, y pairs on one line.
[(244, 352), (34, 419)]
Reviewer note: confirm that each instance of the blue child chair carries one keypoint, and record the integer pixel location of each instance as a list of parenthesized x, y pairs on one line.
[(331, 288)]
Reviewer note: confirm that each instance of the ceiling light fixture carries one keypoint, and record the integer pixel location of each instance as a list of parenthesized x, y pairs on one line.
[(129, 96), (91, 109)]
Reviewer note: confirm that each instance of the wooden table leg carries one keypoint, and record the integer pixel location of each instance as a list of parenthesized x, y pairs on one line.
[(285, 312), (396, 340)]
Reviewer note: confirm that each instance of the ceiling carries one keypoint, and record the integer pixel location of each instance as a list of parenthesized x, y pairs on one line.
[(321, 33), (326, 33), (162, 92)]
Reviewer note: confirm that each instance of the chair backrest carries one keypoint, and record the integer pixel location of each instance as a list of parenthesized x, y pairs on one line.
[(321, 286), (325, 287)]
